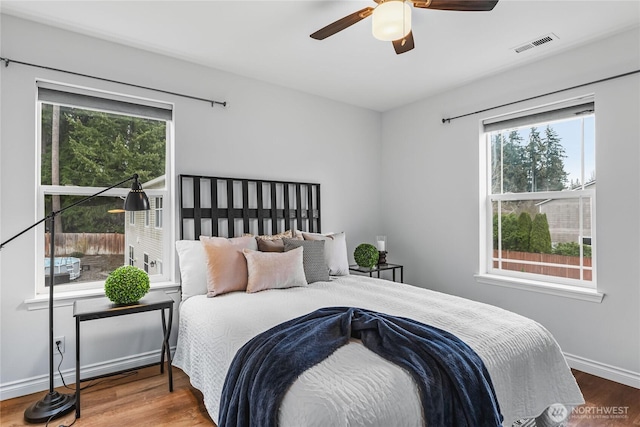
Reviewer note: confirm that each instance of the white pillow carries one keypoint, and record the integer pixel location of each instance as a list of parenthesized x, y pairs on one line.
[(335, 251), (193, 268)]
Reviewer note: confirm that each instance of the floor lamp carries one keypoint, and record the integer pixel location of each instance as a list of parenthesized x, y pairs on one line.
[(56, 404)]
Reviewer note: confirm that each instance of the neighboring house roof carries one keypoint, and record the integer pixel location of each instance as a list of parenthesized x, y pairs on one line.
[(588, 184), (155, 182)]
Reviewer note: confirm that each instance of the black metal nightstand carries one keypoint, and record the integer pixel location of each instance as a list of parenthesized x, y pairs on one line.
[(101, 308), (378, 268)]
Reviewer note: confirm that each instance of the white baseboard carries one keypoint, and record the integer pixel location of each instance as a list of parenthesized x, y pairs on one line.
[(603, 370), (41, 383)]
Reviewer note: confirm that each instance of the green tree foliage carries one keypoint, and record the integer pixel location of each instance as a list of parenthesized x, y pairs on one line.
[(99, 149), (534, 164), (551, 175), (509, 231), (540, 240), (523, 235), (533, 158), (508, 163), (571, 249), (520, 233)]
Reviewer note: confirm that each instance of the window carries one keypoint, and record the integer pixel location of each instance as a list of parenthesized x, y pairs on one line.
[(146, 218), (145, 263), (540, 193), (158, 212), (90, 140)]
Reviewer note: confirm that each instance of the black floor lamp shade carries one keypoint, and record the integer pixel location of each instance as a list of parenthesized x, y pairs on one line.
[(54, 404), (136, 200)]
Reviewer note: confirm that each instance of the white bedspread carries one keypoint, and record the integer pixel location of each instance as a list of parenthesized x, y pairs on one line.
[(355, 387)]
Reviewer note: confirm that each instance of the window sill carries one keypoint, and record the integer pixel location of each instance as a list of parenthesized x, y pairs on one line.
[(566, 291), (62, 299)]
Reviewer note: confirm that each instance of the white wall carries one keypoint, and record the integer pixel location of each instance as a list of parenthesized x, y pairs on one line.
[(266, 132), (436, 229), (272, 132)]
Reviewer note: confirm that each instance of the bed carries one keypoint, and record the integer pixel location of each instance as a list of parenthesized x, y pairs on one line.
[(353, 386)]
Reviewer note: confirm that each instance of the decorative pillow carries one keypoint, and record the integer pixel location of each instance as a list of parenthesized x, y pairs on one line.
[(335, 251), (271, 270), (226, 265), (315, 267), (193, 268), (276, 245), (285, 234)]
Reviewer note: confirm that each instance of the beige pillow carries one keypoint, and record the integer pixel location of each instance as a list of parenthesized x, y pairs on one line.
[(335, 251), (288, 234), (274, 242), (226, 266), (276, 245), (273, 270)]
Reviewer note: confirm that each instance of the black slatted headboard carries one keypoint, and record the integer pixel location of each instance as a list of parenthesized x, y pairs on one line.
[(243, 205)]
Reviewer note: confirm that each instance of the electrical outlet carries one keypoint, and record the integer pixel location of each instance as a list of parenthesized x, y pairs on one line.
[(61, 346)]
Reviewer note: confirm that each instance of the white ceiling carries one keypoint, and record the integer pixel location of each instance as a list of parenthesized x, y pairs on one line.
[(269, 40)]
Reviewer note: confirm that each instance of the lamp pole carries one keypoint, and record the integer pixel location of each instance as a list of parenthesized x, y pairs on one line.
[(55, 404)]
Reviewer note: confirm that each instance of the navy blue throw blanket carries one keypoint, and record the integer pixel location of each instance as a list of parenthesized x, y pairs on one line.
[(454, 385)]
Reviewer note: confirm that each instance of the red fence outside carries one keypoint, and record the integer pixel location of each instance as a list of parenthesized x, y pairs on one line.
[(548, 270)]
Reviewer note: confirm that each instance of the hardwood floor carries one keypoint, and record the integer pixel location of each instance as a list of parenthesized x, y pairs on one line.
[(143, 399), (608, 404)]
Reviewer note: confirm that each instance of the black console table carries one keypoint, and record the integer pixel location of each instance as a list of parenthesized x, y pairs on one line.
[(378, 268), (101, 308)]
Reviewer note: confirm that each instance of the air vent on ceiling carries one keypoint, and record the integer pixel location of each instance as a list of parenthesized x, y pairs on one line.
[(535, 43)]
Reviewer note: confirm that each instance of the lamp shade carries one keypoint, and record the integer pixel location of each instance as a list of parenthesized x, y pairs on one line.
[(391, 20), (136, 200)]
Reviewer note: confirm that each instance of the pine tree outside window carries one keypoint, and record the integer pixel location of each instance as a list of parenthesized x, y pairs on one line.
[(90, 140), (539, 198)]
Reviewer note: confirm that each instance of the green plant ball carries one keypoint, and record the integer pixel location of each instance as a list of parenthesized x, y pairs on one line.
[(126, 285), (366, 255)]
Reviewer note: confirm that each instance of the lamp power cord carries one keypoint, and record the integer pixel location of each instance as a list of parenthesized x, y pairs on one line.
[(91, 384)]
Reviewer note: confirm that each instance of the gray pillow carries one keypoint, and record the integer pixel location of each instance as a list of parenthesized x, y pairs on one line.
[(315, 266)]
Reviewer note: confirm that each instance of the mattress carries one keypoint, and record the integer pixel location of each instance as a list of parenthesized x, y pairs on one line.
[(355, 387)]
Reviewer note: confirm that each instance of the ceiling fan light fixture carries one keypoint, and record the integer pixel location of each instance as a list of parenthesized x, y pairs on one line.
[(391, 20)]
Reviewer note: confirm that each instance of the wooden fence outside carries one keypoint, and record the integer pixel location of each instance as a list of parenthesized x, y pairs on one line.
[(547, 270), (86, 243)]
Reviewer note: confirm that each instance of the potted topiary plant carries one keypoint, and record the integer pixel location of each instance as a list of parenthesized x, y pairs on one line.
[(126, 285), (366, 255)]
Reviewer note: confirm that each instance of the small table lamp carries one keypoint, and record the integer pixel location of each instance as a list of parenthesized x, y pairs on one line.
[(381, 244)]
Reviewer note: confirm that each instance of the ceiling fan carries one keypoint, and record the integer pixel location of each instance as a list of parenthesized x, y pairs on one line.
[(391, 19)]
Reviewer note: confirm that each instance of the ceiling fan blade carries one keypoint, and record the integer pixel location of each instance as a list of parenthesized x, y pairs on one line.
[(404, 44), (341, 24), (461, 5)]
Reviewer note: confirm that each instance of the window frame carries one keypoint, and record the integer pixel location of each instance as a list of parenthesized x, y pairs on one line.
[(158, 205), (487, 274), (44, 190)]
